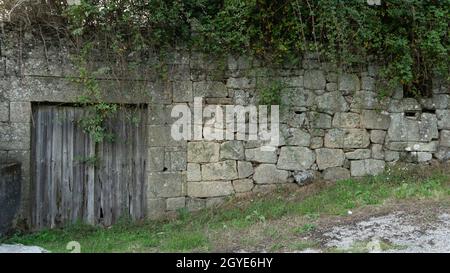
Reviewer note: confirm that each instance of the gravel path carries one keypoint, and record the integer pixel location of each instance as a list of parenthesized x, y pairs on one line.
[(421, 228)]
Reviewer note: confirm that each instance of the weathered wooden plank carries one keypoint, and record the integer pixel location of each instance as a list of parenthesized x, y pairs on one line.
[(66, 188)]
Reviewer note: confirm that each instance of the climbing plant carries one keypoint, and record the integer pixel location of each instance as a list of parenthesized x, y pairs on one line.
[(410, 37)]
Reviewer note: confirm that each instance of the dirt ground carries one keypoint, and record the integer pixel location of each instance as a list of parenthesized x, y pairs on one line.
[(407, 226)]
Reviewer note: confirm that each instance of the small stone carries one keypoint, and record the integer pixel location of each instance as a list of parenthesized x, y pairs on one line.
[(327, 158), (336, 173), (203, 151), (297, 137), (319, 120), (358, 154), (424, 156), (268, 174), (210, 89), (347, 138), (19, 248), (156, 159), (295, 158), (215, 201), (175, 203), (156, 207), (377, 151), (368, 83), (20, 112), (377, 136), (258, 155), (223, 170), (316, 142), (366, 167), (349, 83), (233, 149), (331, 102), (209, 189), (245, 169), (193, 172), (346, 120), (391, 156), (243, 185), (443, 117), (375, 120), (304, 177), (444, 139), (314, 79), (4, 111), (195, 204)]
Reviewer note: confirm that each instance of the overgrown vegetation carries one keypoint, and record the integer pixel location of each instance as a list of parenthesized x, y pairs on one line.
[(196, 232), (410, 37)]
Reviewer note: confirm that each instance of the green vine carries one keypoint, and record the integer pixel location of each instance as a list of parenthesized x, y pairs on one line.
[(409, 37)]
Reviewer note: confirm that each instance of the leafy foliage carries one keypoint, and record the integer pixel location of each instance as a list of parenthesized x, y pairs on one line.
[(410, 37)]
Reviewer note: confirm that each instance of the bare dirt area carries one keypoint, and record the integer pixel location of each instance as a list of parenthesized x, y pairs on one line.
[(407, 226)]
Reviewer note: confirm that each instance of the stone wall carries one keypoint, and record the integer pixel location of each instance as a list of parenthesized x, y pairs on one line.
[(334, 122), (9, 195)]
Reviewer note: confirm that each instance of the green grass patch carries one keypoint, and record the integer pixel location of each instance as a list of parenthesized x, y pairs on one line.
[(190, 232)]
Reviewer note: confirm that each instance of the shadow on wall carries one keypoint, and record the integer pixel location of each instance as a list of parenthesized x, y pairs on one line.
[(10, 180)]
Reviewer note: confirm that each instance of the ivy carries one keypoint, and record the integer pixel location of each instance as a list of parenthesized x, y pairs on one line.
[(410, 37)]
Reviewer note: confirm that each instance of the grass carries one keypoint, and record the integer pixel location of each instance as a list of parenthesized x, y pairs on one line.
[(192, 232)]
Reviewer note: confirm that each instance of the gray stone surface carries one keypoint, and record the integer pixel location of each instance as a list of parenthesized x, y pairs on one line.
[(268, 174), (358, 154), (443, 117), (405, 129), (20, 111), (212, 89), (377, 136), (243, 185), (7, 248), (372, 119), (365, 100), (261, 156), (347, 138), (336, 173), (233, 149), (348, 83), (445, 138), (314, 79), (209, 189), (304, 177), (346, 120), (331, 102), (223, 170), (165, 184), (413, 146), (155, 159), (160, 136), (4, 111), (391, 156), (327, 158), (319, 120), (245, 169), (297, 137), (366, 167), (156, 207), (377, 151), (193, 172), (182, 91), (316, 142), (295, 158), (176, 203), (203, 151)]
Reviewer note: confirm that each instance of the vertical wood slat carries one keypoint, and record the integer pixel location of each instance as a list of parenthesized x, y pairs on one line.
[(67, 189)]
